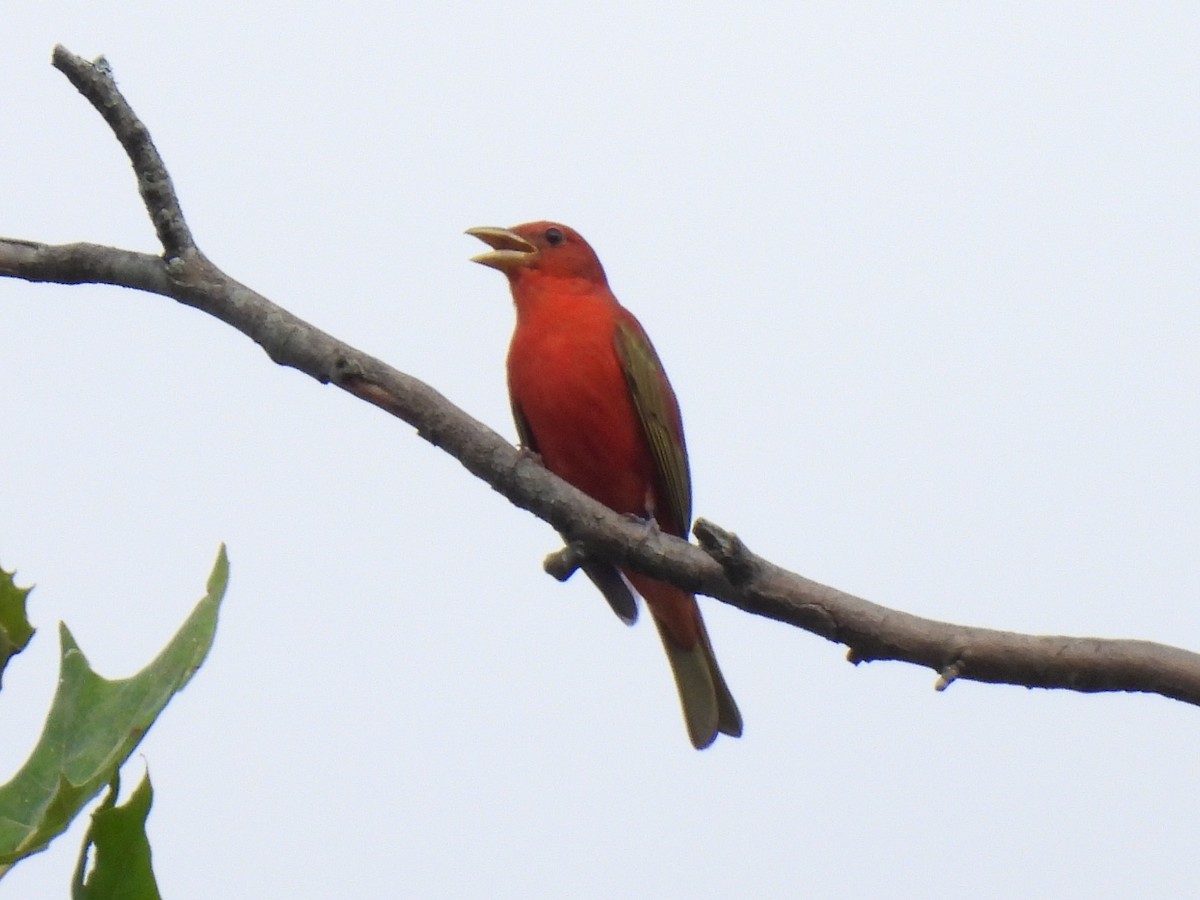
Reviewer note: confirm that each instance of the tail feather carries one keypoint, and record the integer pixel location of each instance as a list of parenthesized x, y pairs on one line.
[(729, 718), (708, 706), (697, 693)]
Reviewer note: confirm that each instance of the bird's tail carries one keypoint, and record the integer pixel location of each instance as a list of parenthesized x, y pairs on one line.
[(708, 706)]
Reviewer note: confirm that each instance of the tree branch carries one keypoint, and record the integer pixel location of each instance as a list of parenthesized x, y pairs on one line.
[(724, 568), (95, 81)]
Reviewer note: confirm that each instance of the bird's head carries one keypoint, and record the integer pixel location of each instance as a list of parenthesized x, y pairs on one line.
[(547, 248)]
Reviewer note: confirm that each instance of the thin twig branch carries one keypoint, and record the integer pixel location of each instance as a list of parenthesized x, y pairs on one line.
[(724, 568), (95, 81)]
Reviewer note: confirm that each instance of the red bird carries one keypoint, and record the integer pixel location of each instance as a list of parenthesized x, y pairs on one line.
[(590, 397)]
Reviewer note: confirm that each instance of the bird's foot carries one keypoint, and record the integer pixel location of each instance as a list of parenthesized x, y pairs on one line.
[(648, 522), (529, 453)]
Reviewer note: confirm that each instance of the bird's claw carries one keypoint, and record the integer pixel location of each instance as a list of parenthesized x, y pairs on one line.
[(530, 454), (648, 522)]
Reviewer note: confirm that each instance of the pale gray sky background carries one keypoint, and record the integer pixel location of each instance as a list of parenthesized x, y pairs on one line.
[(925, 278)]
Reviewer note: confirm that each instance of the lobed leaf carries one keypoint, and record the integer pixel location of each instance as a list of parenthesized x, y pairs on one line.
[(94, 725), (15, 630), (121, 866)]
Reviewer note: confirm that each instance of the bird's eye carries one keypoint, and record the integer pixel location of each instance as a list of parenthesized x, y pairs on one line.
[(554, 237)]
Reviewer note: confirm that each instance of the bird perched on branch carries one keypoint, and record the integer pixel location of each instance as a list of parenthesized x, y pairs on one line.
[(590, 397)]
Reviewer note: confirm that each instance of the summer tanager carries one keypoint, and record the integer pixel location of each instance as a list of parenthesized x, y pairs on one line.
[(590, 397)]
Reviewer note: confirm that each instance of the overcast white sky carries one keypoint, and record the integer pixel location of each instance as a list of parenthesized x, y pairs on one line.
[(925, 278)]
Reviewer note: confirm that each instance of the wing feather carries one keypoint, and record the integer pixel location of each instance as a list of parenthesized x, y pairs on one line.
[(659, 414)]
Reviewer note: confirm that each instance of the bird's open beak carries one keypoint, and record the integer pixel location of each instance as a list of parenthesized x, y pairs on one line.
[(509, 250)]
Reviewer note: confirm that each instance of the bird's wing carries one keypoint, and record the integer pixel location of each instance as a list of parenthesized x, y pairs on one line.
[(659, 414)]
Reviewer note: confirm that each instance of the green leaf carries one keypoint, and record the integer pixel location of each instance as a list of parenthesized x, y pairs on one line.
[(122, 869), (93, 726), (15, 630)]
